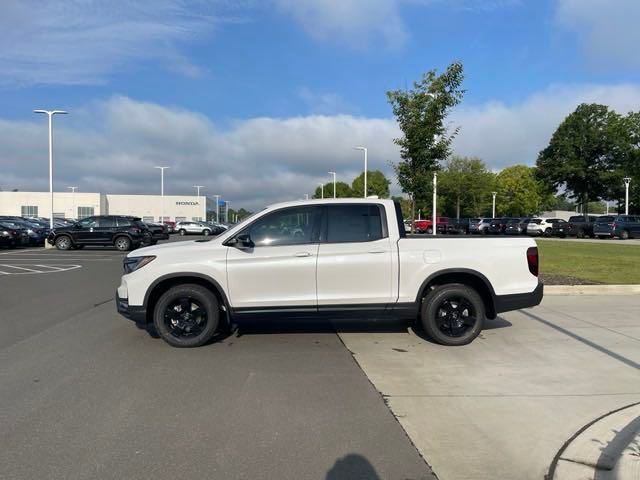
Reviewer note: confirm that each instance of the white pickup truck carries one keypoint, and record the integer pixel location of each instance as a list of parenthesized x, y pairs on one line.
[(332, 258)]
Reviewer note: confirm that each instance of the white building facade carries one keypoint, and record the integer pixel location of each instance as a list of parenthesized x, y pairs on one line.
[(151, 208)]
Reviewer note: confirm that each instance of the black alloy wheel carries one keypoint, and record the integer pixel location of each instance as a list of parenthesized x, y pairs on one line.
[(186, 315), (182, 232), (63, 242), (122, 244), (452, 314)]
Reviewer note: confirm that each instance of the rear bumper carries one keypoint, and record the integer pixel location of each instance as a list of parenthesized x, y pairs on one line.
[(133, 312), (506, 303)]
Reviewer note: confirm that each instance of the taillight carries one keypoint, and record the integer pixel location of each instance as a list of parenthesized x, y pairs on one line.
[(533, 260)]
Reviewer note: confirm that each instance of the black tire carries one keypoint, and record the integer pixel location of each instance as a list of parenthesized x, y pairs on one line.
[(63, 242), (122, 243), (580, 233), (547, 232), (442, 302), (182, 232), (429, 231), (624, 235), (177, 332), (206, 232)]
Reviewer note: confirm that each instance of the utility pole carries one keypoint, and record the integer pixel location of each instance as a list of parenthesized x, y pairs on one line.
[(73, 201), (334, 183), (364, 149), (162, 169), (435, 199), (627, 181), (204, 204), (493, 209)]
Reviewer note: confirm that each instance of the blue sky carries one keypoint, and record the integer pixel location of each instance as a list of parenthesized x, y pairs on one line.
[(243, 91)]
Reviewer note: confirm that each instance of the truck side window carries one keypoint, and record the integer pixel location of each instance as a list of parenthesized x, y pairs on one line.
[(289, 226), (353, 223)]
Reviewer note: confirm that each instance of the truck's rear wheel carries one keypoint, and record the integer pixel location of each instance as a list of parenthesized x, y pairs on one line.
[(186, 315), (452, 314)]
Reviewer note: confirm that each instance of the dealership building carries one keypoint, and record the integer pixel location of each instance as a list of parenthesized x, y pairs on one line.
[(151, 208)]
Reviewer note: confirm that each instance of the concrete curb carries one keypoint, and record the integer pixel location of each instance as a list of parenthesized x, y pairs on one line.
[(591, 290), (604, 449)]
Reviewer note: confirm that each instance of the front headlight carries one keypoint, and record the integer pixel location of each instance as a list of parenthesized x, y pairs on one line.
[(131, 264), (4, 233)]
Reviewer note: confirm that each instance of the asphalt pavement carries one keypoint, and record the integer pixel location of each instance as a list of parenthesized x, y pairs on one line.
[(85, 394)]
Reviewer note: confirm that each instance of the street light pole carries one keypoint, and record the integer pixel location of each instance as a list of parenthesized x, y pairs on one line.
[(493, 209), (162, 169), (334, 183), (217, 208), (73, 201), (435, 199), (204, 205), (627, 181), (364, 149), (322, 190), (50, 114)]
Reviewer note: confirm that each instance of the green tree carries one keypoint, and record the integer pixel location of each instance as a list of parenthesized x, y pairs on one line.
[(342, 191), (421, 113), (584, 154), (465, 185), (377, 184), (519, 193)]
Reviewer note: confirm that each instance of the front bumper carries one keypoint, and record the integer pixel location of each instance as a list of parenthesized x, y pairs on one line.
[(133, 312), (506, 303)]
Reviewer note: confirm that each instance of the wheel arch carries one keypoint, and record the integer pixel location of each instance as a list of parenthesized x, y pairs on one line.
[(464, 276), (165, 282)]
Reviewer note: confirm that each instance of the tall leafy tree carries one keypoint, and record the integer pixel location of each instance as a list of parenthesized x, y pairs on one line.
[(465, 184), (519, 193), (584, 153), (425, 141), (377, 184)]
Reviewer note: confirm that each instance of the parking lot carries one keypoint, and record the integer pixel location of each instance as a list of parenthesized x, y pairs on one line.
[(85, 394)]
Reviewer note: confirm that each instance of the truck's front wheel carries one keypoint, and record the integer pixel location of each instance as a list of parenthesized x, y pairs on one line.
[(186, 315), (452, 314)]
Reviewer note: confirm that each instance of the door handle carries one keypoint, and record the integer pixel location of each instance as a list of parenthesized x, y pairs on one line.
[(303, 254), (377, 251)]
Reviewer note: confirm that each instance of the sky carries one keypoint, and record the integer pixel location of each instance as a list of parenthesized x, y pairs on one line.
[(258, 99)]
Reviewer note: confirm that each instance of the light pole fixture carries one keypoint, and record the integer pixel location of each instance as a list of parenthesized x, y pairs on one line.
[(162, 169), (334, 183), (217, 208), (73, 201), (50, 114), (493, 209), (627, 181), (364, 149), (204, 204), (435, 199)]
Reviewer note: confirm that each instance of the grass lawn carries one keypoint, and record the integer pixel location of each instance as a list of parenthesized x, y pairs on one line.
[(599, 262)]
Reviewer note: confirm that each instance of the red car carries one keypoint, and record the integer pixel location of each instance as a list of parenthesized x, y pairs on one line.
[(171, 226), (426, 226)]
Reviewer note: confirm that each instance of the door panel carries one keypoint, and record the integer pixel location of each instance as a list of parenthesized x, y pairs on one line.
[(282, 276)]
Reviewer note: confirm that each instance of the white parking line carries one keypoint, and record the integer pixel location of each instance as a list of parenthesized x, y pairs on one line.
[(21, 270)]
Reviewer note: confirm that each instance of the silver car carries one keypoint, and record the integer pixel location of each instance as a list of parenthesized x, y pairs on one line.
[(194, 228)]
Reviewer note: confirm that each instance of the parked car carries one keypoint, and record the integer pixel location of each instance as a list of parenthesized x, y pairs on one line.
[(481, 227), (517, 226), (542, 226), (171, 226), (121, 231), (461, 225), (36, 232), (194, 228), (158, 232), (578, 226), (627, 226), (307, 259), (498, 226), (426, 226), (12, 236), (603, 226), (217, 228)]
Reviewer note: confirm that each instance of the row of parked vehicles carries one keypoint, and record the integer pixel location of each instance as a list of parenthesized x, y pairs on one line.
[(120, 231), (580, 226)]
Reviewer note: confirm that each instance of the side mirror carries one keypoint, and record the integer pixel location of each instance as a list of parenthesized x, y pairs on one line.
[(243, 241)]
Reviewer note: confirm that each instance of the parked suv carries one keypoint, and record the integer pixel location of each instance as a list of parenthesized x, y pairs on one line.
[(517, 226), (627, 226), (542, 226), (195, 228), (603, 227), (480, 226), (123, 232), (578, 226)]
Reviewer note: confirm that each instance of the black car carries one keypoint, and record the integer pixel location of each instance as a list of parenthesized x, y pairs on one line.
[(517, 226), (36, 232), (603, 226), (578, 226), (12, 236), (158, 232), (460, 225), (498, 225), (121, 231)]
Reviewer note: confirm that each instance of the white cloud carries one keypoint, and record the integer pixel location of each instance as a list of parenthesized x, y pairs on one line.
[(75, 42), (112, 146), (355, 23), (607, 29)]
